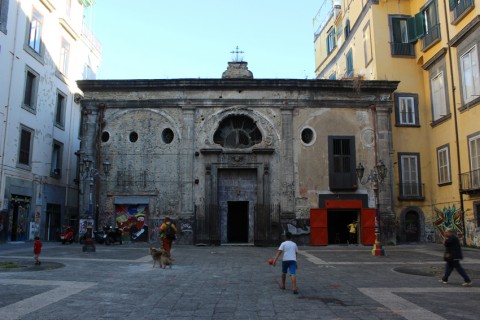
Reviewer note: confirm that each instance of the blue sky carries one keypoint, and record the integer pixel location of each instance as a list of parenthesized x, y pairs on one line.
[(160, 39)]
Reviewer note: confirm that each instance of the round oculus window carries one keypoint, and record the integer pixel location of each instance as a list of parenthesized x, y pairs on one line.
[(133, 136), (167, 135), (308, 136)]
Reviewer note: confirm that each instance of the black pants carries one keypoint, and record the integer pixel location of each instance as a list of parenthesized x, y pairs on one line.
[(455, 264), (353, 238)]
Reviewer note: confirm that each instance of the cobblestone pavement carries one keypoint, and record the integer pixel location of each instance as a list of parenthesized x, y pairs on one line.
[(233, 282)]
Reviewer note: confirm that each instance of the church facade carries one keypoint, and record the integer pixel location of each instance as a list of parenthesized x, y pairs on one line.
[(236, 159)]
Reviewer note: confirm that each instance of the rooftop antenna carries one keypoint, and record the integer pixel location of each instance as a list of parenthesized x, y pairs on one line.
[(236, 55)]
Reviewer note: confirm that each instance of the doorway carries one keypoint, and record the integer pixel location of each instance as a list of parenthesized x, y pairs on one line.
[(338, 232), (237, 222), (53, 227), (411, 226)]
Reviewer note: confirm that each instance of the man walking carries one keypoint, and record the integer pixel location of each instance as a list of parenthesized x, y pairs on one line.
[(452, 257)]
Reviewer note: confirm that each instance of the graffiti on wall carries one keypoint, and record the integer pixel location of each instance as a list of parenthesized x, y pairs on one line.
[(448, 218), (296, 227), (131, 219)]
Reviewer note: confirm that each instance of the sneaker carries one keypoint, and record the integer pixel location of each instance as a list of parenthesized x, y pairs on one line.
[(295, 291), (467, 284), (443, 281)]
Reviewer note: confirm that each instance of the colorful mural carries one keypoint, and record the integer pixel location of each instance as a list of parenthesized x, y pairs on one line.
[(448, 218), (131, 219)]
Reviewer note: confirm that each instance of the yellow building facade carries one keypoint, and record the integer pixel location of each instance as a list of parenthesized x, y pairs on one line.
[(433, 49)]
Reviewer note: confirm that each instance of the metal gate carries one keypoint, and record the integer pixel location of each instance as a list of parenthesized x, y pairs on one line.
[(267, 227), (267, 224), (207, 224)]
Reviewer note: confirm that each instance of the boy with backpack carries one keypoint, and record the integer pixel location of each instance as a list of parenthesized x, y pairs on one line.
[(168, 233)]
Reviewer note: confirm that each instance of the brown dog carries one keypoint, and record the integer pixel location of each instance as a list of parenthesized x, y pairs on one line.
[(163, 258)]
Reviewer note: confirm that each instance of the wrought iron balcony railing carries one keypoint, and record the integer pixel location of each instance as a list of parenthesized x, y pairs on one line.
[(461, 7), (411, 191), (470, 182), (431, 35)]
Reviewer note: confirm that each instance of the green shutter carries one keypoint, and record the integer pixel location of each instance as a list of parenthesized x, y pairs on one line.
[(412, 36), (420, 25), (416, 27), (453, 4)]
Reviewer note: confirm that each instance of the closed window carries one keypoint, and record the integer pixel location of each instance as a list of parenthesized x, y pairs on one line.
[(64, 57), (3, 15), (443, 160), (60, 110), (331, 41), (25, 147), (347, 29), (35, 32), (341, 166), (406, 109), (31, 86), (349, 63), (410, 184), (367, 44), (56, 166), (474, 151), (470, 75), (439, 103)]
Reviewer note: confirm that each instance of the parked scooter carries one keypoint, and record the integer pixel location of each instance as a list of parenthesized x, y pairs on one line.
[(98, 237), (67, 235), (112, 235)]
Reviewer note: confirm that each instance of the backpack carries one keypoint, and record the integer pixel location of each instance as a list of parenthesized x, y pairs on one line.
[(170, 232)]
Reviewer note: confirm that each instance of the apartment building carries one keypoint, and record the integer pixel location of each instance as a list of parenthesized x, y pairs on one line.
[(45, 47), (431, 47)]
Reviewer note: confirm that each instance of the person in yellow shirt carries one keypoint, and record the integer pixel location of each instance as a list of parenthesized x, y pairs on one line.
[(352, 230), (167, 234)]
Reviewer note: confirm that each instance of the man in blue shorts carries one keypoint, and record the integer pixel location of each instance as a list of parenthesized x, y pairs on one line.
[(289, 261)]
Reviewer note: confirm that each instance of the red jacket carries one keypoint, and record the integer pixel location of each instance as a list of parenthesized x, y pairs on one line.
[(37, 247)]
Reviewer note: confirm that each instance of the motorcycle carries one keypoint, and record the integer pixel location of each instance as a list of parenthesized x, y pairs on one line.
[(112, 235), (67, 235), (98, 237)]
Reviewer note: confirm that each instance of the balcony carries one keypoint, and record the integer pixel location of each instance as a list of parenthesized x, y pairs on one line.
[(411, 191), (462, 8), (402, 49), (431, 36), (470, 182)]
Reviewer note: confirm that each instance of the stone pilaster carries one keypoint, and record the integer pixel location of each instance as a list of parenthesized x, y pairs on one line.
[(186, 162), (286, 175)]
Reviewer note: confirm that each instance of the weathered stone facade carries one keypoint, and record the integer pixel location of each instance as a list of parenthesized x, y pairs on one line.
[(230, 154)]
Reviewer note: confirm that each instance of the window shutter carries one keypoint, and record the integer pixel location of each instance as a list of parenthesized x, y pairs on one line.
[(453, 4), (416, 27), (412, 37), (419, 25)]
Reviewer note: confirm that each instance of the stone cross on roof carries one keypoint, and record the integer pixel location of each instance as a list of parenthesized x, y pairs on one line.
[(236, 52)]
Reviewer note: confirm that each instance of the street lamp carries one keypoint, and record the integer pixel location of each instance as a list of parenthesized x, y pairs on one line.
[(89, 172), (376, 177)]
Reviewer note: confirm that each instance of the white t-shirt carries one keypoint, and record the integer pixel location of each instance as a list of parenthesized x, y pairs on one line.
[(289, 249)]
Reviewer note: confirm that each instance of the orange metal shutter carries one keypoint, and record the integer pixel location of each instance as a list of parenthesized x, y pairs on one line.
[(318, 227)]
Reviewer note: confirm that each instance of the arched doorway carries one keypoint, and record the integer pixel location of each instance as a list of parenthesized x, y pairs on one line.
[(412, 227)]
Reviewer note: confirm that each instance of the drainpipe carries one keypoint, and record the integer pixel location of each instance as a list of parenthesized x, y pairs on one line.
[(457, 146)]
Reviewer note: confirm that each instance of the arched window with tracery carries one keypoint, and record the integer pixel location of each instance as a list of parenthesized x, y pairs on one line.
[(237, 131)]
